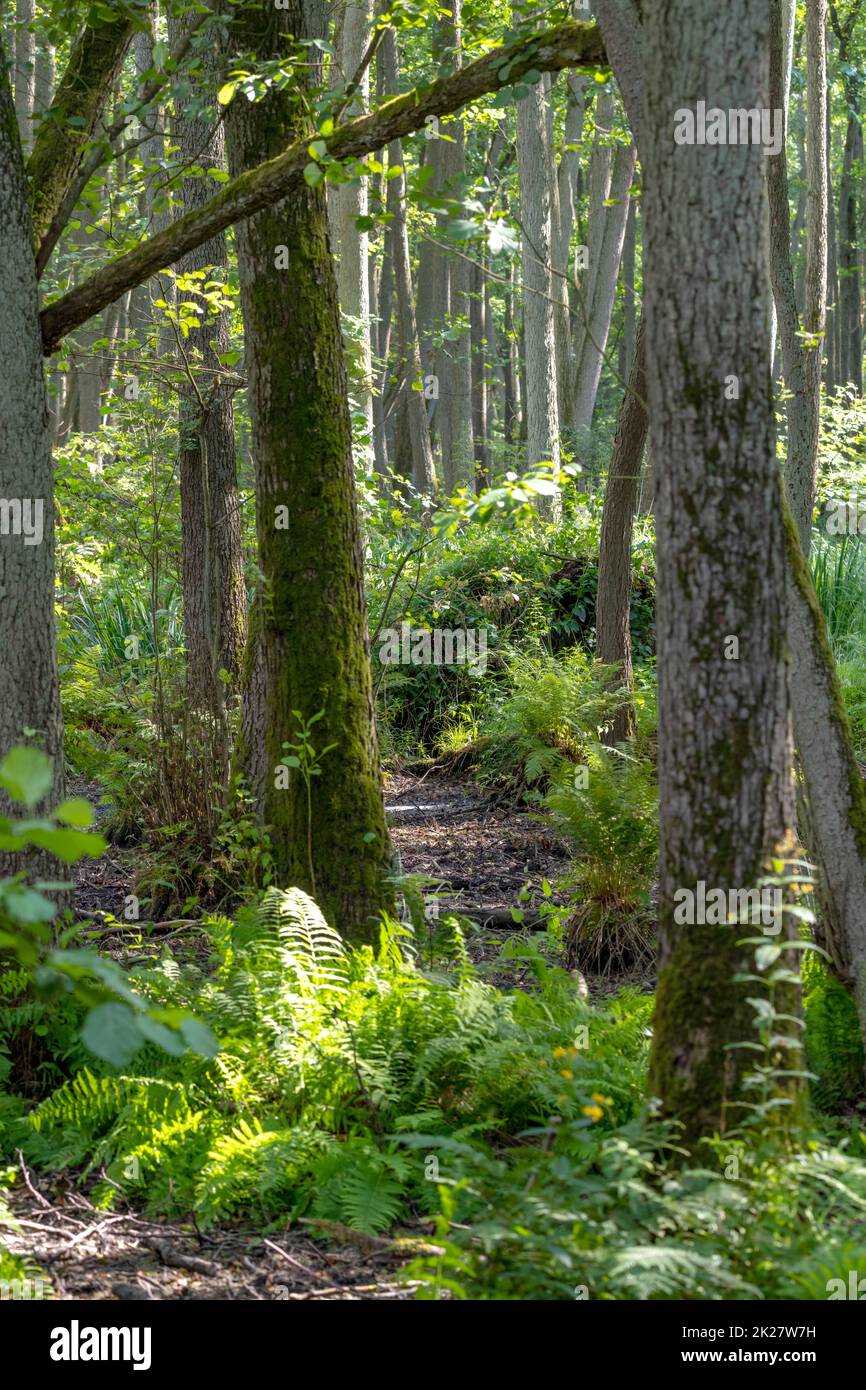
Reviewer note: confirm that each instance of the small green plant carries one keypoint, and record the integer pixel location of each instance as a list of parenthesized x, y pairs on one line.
[(306, 759), (118, 1021)]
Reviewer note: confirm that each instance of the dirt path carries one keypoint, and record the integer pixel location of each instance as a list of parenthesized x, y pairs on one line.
[(99, 1255), (472, 858)]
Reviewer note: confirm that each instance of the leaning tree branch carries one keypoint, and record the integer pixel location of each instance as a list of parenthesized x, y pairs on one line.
[(568, 45), (81, 95)]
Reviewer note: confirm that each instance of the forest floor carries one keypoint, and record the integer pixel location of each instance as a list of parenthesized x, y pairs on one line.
[(468, 855), (473, 859), (92, 1254)]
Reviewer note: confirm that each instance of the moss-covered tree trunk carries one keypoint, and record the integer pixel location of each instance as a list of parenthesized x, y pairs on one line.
[(310, 644), (724, 781)]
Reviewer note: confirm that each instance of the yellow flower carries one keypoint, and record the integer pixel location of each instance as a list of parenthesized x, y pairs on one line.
[(594, 1112), (569, 1075), (560, 1052), (600, 1099)]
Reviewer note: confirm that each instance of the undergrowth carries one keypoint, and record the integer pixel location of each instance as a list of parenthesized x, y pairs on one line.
[(352, 1086)]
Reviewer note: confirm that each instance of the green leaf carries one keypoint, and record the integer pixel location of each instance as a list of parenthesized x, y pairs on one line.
[(26, 905), (69, 845), (226, 92), (199, 1037), (111, 1031), (163, 1037), (75, 811), (27, 775)]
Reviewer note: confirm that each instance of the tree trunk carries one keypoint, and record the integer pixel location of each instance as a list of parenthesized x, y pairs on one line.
[(423, 475), (832, 375), (29, 690), (613, 603), (603, 293), (348, 201), (567, 175), (511, 365), (536, 177), (477, 321), (25, 70), (214, 594), (848, 311), (310, 648), (850, 327), (724, 779), (629, 301), (801, 360), (455, 371)]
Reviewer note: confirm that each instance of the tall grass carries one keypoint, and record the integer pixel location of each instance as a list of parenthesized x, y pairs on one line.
[(839, 574)]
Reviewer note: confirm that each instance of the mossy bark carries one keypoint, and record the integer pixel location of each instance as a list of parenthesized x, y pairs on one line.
[(724, 773), (311, 623)]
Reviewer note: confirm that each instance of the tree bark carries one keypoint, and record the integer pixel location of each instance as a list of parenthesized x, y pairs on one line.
[(849, 311), (29, 690), (801, 361), (214, 593), (455, 359), (613, 602), (309, 648), (602, 293), (348, 201), (536, 177), (423, 474), (724, 781), (25, 70)]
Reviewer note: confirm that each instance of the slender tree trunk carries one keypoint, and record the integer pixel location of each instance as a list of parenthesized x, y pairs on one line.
[(629, 302), (214, 594), (310, 648), (25, 70), (833, 804), (600, 306), (455, 405), (421, 451), (567, 176), (849, 309), (347, 202), (832, 376), (536, 176), (477, 320), (850, 324), (511, 366), (46, 74), (724, 779), (801, 360), (613, 604)]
